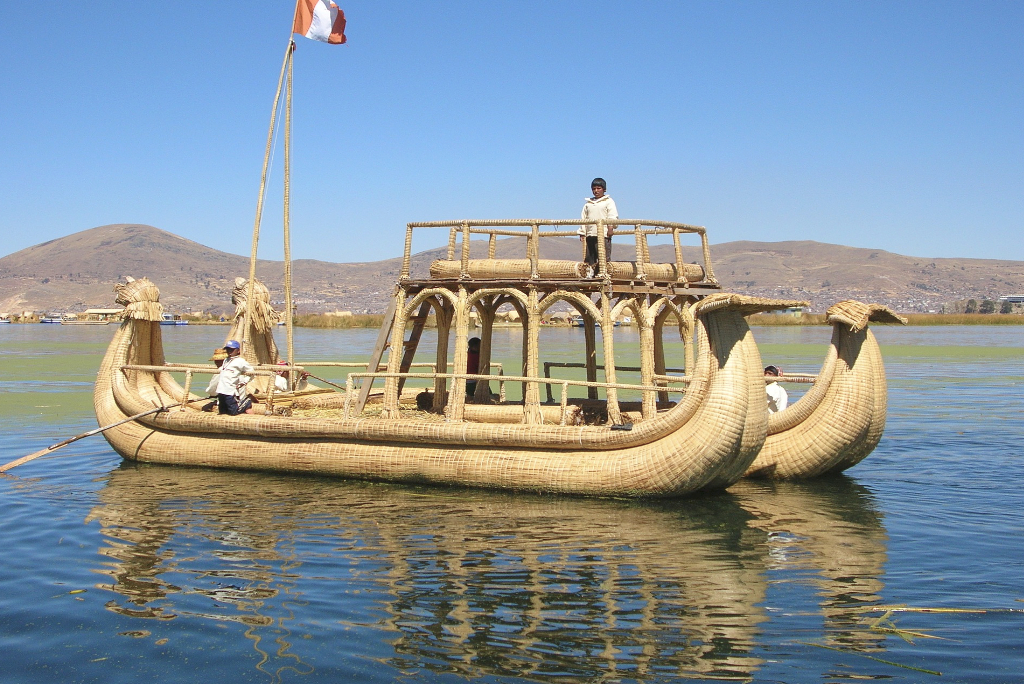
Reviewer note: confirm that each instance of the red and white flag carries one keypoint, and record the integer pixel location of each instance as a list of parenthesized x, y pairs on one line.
[(320, 20)]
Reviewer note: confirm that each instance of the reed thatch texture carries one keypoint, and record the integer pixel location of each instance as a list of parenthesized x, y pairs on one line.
[(704, 442), (140, 299), (856, 315), (840, 420), (262, 316), (259, 347), (627, 270), (513, 413)]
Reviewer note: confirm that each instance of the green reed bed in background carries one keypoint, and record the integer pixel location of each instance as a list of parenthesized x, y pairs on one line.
[(353, 321), (912, 319)]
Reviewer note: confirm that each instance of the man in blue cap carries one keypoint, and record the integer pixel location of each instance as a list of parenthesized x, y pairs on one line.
[(234, 375)]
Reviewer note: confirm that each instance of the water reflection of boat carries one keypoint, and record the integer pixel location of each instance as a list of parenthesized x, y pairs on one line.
[(468, 582), (833, 528)]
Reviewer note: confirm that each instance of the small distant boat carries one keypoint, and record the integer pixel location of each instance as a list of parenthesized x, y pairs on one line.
[(74, 321), (172, 319), (51, 319)]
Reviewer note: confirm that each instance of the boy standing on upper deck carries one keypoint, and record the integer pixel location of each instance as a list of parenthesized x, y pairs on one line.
[(600, 206)]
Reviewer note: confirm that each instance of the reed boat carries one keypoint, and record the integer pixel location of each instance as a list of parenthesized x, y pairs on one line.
[(701, 428), (694, 419)]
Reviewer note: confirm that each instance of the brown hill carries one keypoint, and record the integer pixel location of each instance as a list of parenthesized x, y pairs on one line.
[(78, 271)]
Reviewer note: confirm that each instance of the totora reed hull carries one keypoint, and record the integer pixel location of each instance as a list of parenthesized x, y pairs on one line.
[(707, 441)]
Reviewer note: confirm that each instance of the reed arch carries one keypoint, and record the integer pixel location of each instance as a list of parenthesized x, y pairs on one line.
[(590, 314), (487, 301), (522, 309), (634, 304), (436, 298), (661, 310)]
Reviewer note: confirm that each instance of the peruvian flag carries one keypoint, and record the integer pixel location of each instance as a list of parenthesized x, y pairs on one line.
[(320, 20)]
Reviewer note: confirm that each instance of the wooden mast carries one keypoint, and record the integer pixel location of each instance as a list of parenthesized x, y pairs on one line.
[(287, 219)]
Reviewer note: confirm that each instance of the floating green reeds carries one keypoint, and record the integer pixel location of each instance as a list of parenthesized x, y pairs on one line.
[(869, 657)]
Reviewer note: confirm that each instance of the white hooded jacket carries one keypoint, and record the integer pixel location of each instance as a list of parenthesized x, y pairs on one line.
[(594, 209)]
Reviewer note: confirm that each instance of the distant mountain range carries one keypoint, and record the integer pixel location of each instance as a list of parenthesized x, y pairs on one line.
[(77, 272)]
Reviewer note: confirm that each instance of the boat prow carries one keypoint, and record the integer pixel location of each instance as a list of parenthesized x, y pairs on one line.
[(840, 420)]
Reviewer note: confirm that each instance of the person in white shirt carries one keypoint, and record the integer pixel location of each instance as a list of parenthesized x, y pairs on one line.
[(235, 373), (600, 206), (778, 400), (281, 380)]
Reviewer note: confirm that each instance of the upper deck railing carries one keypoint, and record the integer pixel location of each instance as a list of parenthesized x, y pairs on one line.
[(639, 229)]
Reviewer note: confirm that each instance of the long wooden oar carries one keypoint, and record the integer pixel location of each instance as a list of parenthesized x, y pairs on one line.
[(332, 384), (25, 459)]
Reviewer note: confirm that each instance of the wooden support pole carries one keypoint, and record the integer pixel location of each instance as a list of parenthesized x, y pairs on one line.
[(590, 338), (483, 388), (531, 399), (648, 404), (457, 400), (396, 327), (608, 339)]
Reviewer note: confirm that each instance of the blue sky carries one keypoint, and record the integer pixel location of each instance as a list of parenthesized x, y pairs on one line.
[(897, 126)]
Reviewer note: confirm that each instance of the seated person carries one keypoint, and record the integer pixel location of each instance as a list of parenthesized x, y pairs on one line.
[(219, 355), (777, 397), (281, 380)]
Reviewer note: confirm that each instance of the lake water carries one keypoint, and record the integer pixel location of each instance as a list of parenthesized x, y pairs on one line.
[(114, 572)]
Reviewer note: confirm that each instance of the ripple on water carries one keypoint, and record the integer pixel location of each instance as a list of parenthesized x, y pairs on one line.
[(250, 577)]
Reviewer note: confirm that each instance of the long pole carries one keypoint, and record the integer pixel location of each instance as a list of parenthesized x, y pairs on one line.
[(259, 203), (25, 459), (287, 220)]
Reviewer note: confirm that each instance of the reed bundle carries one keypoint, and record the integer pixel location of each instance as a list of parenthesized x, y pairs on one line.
[(506, 269), (140, 299), (628, 270), (263, 317)]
